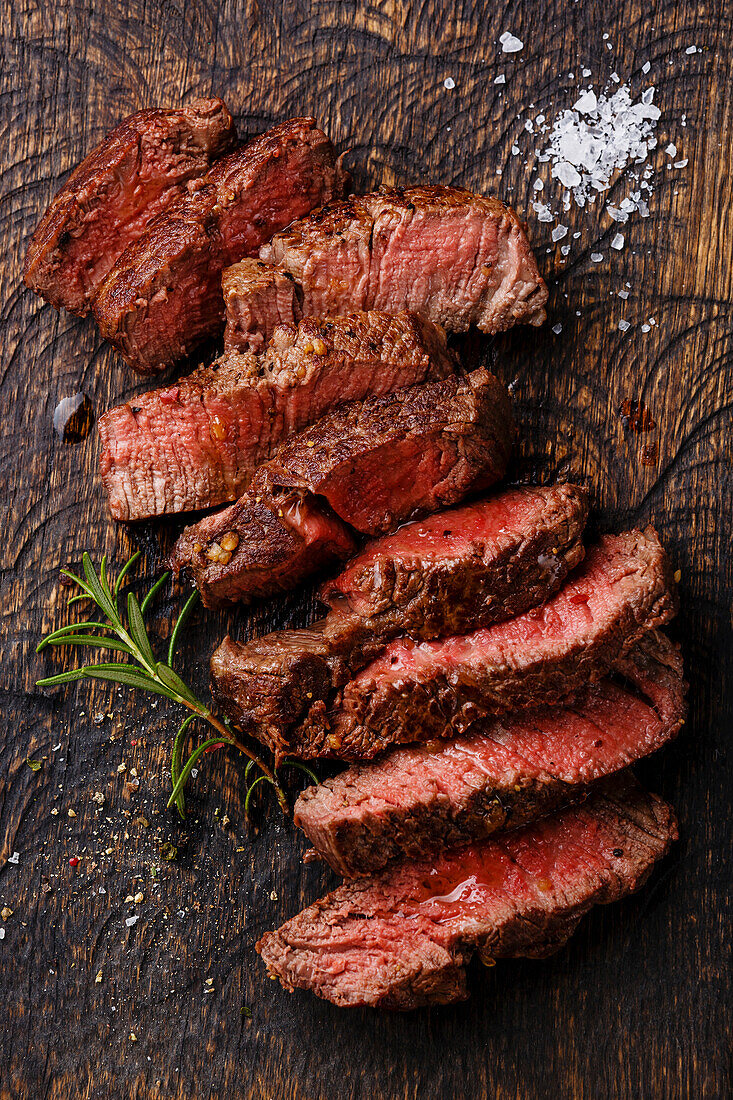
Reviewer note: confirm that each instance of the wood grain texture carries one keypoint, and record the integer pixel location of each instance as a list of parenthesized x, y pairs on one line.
[(638, 1005)]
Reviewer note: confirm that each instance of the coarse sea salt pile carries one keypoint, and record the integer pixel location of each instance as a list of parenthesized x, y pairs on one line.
[(598, 137)]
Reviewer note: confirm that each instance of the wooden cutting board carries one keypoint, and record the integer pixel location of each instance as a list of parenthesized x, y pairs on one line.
[(638, 1004)]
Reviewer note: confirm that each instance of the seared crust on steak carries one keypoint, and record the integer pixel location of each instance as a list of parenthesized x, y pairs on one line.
[(109, 199)]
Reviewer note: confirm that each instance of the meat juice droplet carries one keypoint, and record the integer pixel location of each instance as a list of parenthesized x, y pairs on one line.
[(636, 417), (73, 418)]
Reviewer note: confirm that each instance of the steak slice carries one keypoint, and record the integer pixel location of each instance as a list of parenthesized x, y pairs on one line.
[(452, 572), (109, 199), (198, 442), (458, 258), (423, 799), (375, 463), (163, 296), (404, 938), (275, 540), (419, 691), (258, 297), (382, 461)]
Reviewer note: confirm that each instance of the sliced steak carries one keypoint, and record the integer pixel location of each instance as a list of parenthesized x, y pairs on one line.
[(458, 258), (163, 296), (419, 691), (258, 297), (276, 539), (452, 572), (403, 939), (376, 463), (109, 199), (423, 799), (197, 443), (382, 461)]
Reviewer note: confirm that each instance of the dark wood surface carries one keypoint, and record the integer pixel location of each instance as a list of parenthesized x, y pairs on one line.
[(638, 1005)]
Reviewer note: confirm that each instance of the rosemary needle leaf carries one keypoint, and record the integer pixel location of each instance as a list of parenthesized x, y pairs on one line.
[(132, 677), (153, 592), (124, 571), (252, 786), (94, 586), (62, 677), (174, 683), (302, 768), (93, 641), (176, 757), (191, 762), (182, 619), (138, 632), (72, 628)]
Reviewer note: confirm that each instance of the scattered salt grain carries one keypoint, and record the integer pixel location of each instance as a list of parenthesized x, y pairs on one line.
[(449, 83), (544, 214), (645, 67), (615, 78), (681, 163), (624, 325), (538, 185), (510, 44), (671, 150), (129, 921), (565, 249), (515, 150), (557, 329), (559, 232), (646, 328), (596, 257), (2, 933), (623, 294), (691, 49), (585, 72), (618, 242), (586, 103), (500, 79), (15, 858)]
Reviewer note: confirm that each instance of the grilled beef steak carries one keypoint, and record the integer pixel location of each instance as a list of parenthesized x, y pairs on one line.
[(423, 799), (376, 463), (163, 296), (276, 540), (403, 939), (197, 443), (450, 573), (109, 199), (258, 297), (458, 258), (419, 691)]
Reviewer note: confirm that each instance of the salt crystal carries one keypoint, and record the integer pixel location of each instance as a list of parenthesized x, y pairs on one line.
[(645, 67), (559, 232), (681, 163), (596, 257), (544, 214), (566, 174), (671, 150), (500, 79), (647, 96), (129, 921), (646, 328), (510, 44), (623, 294), (615, 78), (586, 103), (2, 933), (618, 242), (449, 83), (585, 72), (565, 249), (624, 325), (538, 185), (515, 150), (605, 37), (652, 320), (15, 858), (691, 49), (557, 329), (529, 126)]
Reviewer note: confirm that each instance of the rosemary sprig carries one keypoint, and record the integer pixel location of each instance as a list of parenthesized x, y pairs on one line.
[(148, 674)]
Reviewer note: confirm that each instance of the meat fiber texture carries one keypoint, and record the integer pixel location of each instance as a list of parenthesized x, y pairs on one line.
[(371, 465), (137, 172), (163, 296), (424, 799), (420, 691), (455, 571), (459, 258), (403, 939), (197, 443)]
